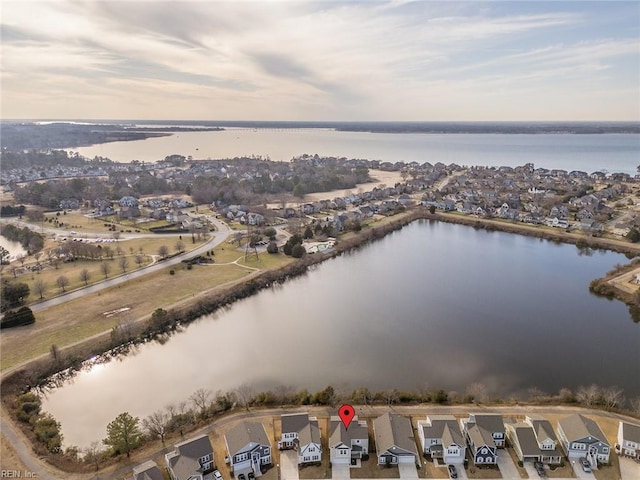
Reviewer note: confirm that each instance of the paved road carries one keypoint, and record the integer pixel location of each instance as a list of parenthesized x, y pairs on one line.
[(26, 454), (216, 239)]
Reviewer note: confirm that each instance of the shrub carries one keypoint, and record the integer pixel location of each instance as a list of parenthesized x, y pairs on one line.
[(23, 316), (272, 247), (298, 251)]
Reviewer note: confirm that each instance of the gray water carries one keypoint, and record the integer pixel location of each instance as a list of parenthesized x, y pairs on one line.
[(612, 152), (432, 306)]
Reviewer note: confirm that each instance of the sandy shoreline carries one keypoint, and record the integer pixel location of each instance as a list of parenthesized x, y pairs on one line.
[(382, 178)]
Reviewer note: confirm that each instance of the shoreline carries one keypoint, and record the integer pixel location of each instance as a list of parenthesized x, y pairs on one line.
[(188, 310), (37, 371)]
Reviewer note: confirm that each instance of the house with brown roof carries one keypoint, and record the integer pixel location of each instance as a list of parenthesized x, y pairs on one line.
[(191, 460), (394, 439), (347, 446), (581, 437), (441, 438), (629, 439), (301, 432), (147, 471), (248, 450)]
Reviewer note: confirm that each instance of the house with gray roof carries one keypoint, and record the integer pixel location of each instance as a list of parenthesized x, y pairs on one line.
[(347, 446), (248, 449), (191, 460), (301, 432), (441, 438), (394, 439), (482, 445), (533, 440), (147, 471), (492, 423), (629, 439), (581, 437)]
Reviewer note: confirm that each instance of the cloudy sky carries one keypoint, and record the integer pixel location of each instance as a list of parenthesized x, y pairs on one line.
[(322, 60)]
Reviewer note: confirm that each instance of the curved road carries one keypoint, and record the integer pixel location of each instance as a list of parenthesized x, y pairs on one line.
[(223, 232)]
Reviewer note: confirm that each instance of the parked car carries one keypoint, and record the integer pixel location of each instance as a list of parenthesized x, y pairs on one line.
[(540, 469), (586, 466), (217, 475), (453, 473)]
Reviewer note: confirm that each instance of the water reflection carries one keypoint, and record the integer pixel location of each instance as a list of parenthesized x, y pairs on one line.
[(433, 304)]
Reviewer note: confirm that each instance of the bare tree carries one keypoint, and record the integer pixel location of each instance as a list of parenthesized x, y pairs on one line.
[(21, 258), (635, 405), (391, 397), (588, 396), (157, 423), (85, 276), (179, 246), (14, 270), (55, 353), (40, 287), (139, 259), (116, 236), (612, 397), (566, 395), (535, 394), (62, 282), (478, 392), (245, 395), (200, 399), (119, 250), (163, 251), (92, 454), (124, 263), (104, 268)]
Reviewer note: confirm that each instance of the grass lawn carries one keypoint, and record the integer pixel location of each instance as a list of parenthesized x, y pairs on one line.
[(370, 469), (431, 470), (78, 319)]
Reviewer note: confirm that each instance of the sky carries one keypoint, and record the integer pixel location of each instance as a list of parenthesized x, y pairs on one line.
[(320, 60)]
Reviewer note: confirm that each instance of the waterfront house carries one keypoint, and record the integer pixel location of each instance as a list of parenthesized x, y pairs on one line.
[(301, 432), (629, 439), (490, 422), (441, 438), (481, 443), (581, 437), (394, 439), (534, 440), (248, 450), (348, 446), (191, 460), (147, 471)]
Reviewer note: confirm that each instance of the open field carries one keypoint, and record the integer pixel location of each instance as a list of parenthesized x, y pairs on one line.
[(80, 319)]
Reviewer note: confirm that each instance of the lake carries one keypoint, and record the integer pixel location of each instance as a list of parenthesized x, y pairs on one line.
[(14, 248), (612, 152), (433, 305)]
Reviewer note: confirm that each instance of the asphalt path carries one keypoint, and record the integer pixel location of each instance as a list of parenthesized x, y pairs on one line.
[(221, 235)]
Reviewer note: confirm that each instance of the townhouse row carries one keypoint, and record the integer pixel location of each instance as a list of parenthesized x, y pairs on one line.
[(441, 438)]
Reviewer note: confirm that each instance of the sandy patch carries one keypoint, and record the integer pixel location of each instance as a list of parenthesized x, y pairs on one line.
[(382, 177)]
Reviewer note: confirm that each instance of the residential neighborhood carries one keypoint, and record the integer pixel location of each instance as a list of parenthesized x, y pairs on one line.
[(436, 445)]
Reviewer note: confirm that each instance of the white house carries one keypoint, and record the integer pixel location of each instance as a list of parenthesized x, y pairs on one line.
[(301, 432), (248, 450), (441, 438), (191, 460), (629, 439), (581, 437), (348, 446)]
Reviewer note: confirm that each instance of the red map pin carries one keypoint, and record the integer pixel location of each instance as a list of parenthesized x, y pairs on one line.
[(346, 413)]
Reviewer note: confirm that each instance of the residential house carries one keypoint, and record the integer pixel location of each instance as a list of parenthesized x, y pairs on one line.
[(534, 440), (191, 460), (147, 471), (581, 437), (248, 450), (485, 433), (347, 446), (629, 439), (441, 438), (301, 432), (394, 439)]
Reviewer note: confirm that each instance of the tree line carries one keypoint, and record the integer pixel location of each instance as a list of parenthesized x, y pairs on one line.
[(30, 240)]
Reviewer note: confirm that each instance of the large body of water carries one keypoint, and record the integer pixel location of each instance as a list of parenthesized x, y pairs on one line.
[(611, 152), (433, 305)]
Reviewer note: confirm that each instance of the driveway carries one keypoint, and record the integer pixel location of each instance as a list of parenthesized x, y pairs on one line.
[(340, 472), (289, 465), (408, 471), (506, 466), (578, 470), (629, 469)]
